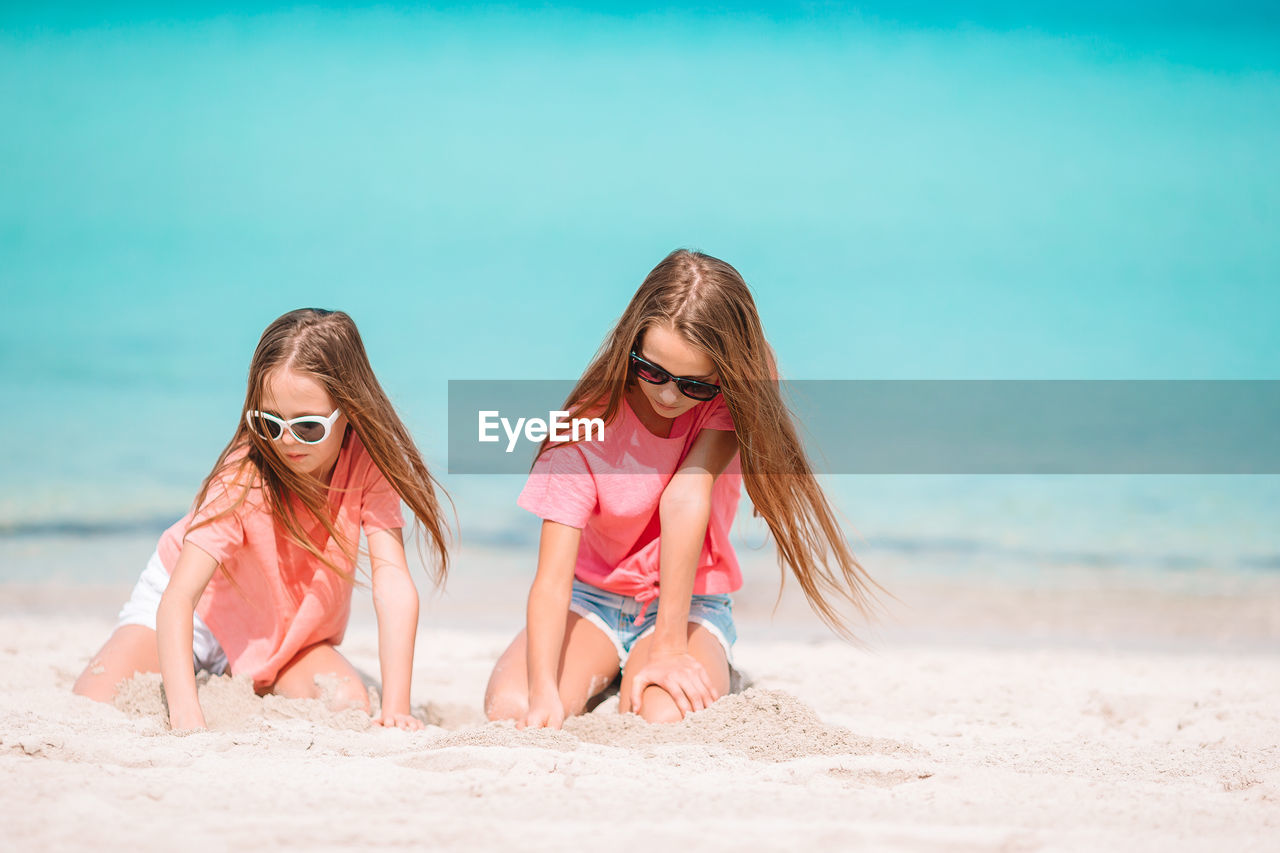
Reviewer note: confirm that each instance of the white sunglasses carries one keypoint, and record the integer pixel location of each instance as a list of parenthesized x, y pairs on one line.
[(308, 429)]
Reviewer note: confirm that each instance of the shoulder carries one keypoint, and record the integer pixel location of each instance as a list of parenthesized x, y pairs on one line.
[(364, 484), (235, 478), (715, 414), (562, 458), (356, 461), (593, 436), (231, 497)]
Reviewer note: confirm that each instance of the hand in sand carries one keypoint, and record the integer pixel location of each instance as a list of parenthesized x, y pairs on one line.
[(678, 673), (406, 722), (545, 711), (186, 721)]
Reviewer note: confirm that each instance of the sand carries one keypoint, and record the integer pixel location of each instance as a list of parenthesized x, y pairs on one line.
[(1024, 731)]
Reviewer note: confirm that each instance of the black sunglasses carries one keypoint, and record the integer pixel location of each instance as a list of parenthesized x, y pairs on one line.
[(694, 389)]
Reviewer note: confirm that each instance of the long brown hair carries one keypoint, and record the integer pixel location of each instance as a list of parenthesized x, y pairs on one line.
[(706, 301), (326, 346)]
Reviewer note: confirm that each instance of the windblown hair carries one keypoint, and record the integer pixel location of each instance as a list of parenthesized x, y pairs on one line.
[(325, 346), (706, 301)]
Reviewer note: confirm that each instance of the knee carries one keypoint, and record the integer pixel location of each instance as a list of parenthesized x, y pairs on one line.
[(94, 683), (657, 706), (95, 688), (660, 714), (343, 693), (505, 705), (358, 697)]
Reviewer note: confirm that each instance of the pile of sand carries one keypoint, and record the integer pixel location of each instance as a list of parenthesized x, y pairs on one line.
[(763, 725), (229, 703), (758, 724)]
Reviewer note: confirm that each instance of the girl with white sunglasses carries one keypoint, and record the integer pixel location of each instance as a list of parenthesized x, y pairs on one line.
[(257, 578)]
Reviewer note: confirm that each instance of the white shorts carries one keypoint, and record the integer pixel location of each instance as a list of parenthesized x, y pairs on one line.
[(141, 608)]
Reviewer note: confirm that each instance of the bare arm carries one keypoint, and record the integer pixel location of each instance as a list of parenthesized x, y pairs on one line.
[(548, 606), (395, 601), (683, 513), (174, 620)]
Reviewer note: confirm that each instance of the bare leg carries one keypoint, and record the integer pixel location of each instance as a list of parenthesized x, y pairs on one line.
[(588, 662), (297, 680), (656, 704), (131, 649)]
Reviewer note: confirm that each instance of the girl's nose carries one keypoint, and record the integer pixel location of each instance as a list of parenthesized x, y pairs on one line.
[(670, 395)]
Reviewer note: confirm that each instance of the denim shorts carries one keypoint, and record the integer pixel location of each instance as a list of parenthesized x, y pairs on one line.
[(616, 616)]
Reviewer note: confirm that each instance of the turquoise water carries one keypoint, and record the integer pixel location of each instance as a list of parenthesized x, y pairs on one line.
[(912, 192)]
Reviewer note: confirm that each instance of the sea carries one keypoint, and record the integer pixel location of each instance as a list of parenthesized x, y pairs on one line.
[(918, 191)]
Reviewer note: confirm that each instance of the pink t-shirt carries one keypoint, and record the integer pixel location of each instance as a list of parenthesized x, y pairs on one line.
[(610, 490), (274, 599)]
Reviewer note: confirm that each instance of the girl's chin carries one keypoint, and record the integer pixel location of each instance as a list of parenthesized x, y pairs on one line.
[(301, 465), (669, 414)]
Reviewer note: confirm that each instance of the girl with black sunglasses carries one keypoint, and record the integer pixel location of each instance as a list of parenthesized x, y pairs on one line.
[(687, 387)]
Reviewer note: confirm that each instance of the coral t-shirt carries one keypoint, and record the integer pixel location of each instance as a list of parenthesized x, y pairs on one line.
[(610, 490), (274, 599)]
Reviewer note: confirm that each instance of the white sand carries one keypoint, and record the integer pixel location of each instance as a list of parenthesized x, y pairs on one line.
[(982, 720)]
